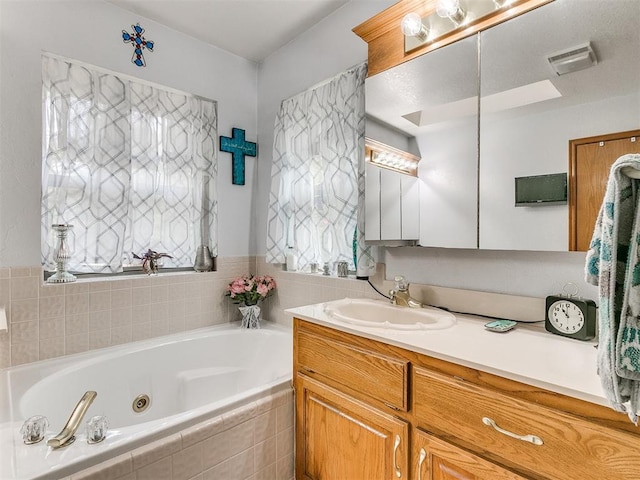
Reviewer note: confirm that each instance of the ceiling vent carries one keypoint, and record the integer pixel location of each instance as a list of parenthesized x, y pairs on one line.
[(572, 59)]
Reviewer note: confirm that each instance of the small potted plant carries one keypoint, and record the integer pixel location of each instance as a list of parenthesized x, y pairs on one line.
[(249, 291), (150, 260)]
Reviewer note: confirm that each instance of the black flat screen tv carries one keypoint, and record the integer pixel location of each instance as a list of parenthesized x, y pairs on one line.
[(541, 190)]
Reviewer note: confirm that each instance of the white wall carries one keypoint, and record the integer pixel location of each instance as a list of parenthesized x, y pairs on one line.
[(331, 47), (90, 31)]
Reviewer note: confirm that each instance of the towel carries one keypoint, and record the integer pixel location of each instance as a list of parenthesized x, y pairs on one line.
[(613, 265)]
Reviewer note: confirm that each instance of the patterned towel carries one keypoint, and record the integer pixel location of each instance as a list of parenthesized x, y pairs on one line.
[(613, 264)]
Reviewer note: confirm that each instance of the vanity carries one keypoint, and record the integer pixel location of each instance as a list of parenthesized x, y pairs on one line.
[(452, 403)]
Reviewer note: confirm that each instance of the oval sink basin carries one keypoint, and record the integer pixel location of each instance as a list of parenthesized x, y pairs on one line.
[(378, 314)]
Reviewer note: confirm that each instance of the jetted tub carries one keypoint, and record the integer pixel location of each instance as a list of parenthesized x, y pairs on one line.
[(189, 377)]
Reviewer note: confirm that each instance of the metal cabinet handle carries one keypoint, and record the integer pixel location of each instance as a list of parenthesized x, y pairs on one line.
[(525, 438), (395, 455), (423, 455)]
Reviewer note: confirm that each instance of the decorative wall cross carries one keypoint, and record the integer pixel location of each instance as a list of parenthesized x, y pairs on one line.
[(238, 147), (139, 43)]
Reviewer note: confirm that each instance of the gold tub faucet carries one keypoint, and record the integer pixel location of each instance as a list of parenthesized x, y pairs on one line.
[(66, 436)]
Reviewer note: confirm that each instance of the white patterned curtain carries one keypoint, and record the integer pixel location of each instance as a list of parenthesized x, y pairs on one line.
[(316, 204), (131, 166)]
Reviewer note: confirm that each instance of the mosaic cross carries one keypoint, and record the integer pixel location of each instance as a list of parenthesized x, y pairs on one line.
[(238, 147), (139, 44)]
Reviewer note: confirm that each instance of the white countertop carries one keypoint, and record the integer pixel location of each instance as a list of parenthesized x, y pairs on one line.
[(527, 354)]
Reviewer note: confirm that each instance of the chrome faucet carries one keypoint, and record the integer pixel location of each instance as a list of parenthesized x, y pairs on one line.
[(400, 294), (66, 436)]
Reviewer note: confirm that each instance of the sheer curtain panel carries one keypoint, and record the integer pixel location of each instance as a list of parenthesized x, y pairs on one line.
[(130, 165), (316, 204)]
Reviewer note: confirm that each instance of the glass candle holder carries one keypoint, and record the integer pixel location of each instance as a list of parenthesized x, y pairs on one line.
[(61, 255)]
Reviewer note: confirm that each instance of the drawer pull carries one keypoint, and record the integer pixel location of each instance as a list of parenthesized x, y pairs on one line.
[(423, 455), (525, 438), (395, 456)]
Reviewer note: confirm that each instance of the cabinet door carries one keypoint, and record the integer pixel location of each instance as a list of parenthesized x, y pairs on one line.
[(390, 205), (338, 437), (435, 459), (410, 207), (372, 202)]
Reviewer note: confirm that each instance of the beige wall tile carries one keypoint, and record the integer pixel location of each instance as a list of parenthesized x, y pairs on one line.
[(120, 335), (141, 331), (160, 470), (5, 272), (99, 320), (265, 453), (76, 288), (5, 351), (239, 415), (24, 287), (157, 450), (99, 300), (202, 431), (114, 468), (51, 347), (5, 292), (239, 467), (24, 353), (24, 310), (24, 332), (121, 298), (140, 295), (99, 339), (284, 468), (285, 416), (20, 271), (265, 426), (187, 462), (76, 343), (52, 327), (121, 317), (227, 443), (50, 307), (75, 324), (285, 443), (266, 473), (76, 303)]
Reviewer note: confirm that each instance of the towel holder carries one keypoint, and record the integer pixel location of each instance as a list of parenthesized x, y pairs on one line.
[(631, 172)]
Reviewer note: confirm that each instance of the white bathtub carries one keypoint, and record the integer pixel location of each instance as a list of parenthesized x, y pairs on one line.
[(189, 377)]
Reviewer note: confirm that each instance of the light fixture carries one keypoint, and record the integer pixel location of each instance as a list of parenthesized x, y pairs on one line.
[(502, 3), (451, 9), (573, 59), (412, 26), (386, 156)]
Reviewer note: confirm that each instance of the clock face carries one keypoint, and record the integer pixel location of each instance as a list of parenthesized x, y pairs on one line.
[(566, 316)]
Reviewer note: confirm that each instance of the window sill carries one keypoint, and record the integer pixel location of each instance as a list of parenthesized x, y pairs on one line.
[(135, 275)]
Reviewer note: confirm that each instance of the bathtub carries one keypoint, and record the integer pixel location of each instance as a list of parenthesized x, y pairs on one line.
[(188, 377)]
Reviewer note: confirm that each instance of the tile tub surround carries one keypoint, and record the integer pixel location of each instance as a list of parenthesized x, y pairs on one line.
[(253, 442), (51, 320)]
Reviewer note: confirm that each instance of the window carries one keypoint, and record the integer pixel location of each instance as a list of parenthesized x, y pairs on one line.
[(130, 165)]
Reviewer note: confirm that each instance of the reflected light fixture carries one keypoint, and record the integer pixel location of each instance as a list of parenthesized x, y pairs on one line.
[(502, 3), (451, 9), (412, 26)]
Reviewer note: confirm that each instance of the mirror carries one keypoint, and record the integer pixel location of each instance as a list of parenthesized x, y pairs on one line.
[(432, 100), (529, 113), (468, 197)]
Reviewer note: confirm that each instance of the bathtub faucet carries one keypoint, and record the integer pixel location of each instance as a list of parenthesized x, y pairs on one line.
[(400, 294), (66, 436)]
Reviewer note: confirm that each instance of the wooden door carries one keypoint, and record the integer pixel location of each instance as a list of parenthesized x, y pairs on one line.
[(340, 438), (590, 161), (435, 459)]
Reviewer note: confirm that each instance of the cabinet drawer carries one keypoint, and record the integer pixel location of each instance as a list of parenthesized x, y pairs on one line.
[(367, 372), (486, 422)]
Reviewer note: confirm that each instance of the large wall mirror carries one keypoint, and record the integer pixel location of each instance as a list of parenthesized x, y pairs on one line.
[(528, 115)]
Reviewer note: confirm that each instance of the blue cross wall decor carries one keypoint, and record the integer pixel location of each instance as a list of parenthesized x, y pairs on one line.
[(139, 43), (238, 147)]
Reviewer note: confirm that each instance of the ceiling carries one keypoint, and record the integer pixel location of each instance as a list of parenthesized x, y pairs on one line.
[(252, 29)]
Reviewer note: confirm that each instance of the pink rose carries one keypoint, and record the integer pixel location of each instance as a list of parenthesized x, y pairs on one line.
[(263, 290), (237, 287)]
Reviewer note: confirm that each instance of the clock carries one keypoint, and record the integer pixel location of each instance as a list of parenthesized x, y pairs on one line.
[(571, 317)]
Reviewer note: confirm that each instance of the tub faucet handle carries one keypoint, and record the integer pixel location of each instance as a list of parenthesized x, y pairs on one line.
[(97, 429), (66, 436), (33, 429)]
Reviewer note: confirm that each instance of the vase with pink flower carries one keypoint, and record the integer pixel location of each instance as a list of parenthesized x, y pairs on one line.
[(249, 291)]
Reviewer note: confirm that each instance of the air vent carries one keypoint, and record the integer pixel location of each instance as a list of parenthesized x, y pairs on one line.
[(572, 59)]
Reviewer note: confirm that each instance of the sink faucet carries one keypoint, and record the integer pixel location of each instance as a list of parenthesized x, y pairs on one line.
[(66, 436), (400, 294)]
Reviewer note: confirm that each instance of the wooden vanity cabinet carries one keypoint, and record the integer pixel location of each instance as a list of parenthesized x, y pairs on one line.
[(368, 410)]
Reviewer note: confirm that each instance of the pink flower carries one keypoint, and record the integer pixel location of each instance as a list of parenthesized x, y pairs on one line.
[(237, 287), (263, 290)]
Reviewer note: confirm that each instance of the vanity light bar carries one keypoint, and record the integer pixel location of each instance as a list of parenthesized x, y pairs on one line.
[(391, 158)]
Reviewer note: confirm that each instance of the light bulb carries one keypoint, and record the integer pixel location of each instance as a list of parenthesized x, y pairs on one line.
[(412, 26), (451, 9)]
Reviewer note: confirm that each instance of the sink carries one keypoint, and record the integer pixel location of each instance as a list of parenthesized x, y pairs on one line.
[(379, 314)]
